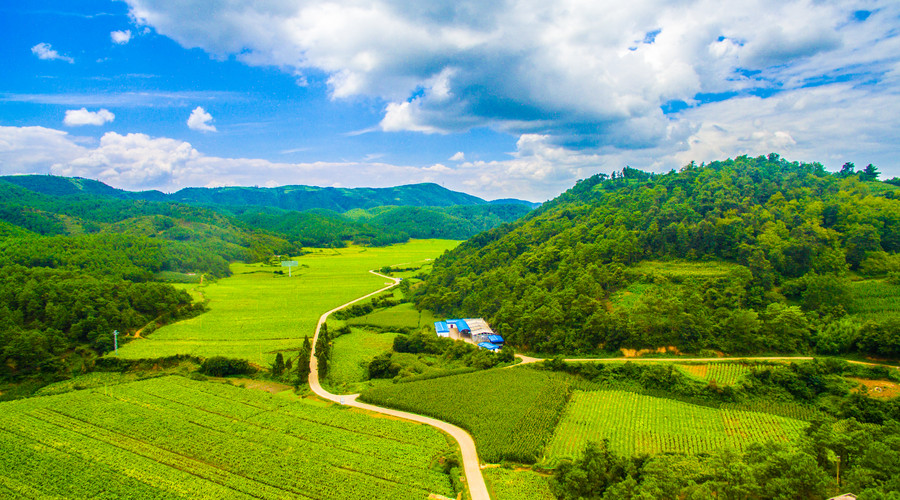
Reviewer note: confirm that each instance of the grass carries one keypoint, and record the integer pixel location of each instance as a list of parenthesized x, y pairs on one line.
[(874, 298), (172, 437), (524, 484), (636, 424), (351, 354), (510, 413), (678, 270), (256, 313), (400, 316), (723, 374)]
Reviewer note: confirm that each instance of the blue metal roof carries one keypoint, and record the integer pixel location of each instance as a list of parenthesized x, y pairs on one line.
[(495, 339), (488, 346), (460, 324), (441, 327)]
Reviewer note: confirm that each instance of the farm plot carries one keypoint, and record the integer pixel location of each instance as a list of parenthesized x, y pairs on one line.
[(351, 354), (507, 484), (176, 438), (874, 299), (403, 316), (256, 313), (636, 424), (510, 413), (721, 373)]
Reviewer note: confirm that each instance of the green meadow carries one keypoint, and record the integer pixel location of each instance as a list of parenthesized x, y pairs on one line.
[(256, 312)]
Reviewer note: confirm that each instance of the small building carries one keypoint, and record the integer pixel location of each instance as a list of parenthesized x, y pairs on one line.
[(441, 328), (489, 346), (495, 339), (460, 325)]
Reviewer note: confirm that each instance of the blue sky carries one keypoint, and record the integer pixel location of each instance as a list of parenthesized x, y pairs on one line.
[(503, 99)]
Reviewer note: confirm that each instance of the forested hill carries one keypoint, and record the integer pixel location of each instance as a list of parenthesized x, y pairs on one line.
[(284, 197), (744, 255), (307, 216)]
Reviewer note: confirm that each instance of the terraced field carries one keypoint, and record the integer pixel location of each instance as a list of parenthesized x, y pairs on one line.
[(176, 438), (636, 424)]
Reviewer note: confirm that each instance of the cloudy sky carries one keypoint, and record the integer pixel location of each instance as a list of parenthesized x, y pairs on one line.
[(516, 98)]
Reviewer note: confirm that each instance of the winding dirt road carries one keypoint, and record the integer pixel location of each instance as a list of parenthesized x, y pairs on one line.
[(471, 464)]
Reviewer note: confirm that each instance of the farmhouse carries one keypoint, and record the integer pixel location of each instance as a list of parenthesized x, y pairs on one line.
[(474, 330), (441, 328)]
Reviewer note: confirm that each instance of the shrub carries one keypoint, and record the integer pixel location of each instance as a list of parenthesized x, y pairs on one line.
[(220, 366)]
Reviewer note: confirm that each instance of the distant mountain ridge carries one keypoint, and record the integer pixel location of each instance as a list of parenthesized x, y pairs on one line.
[(303, 215), (294, 197)]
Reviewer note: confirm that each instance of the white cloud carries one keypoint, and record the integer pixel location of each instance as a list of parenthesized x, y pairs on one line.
[(459, 156), (76, 117), (26, 150), (584, 73), (120, 37), (200, 120), (45, 51)]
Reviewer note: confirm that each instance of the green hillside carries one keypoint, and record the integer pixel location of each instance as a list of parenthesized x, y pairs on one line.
[(744, 255), (304, 215)]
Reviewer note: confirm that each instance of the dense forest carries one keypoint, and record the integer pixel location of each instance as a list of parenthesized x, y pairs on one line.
[(744, 255)]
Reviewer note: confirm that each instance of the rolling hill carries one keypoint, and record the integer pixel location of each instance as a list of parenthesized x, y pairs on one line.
[(744, 255)]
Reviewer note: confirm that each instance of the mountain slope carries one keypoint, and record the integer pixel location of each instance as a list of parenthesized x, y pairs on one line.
[(774, 244)]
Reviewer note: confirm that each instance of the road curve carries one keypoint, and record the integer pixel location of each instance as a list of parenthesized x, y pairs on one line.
[(471, 464)]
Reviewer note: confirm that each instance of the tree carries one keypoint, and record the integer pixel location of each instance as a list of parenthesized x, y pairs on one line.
[(323, 351), (870, 173), (847, 169), (278, 365), (303, 363)]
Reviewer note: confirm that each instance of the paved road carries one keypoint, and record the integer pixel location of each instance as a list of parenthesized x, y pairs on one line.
[(471, 464)]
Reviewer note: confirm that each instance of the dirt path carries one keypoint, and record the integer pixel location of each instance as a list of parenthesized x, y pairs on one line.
[(471, 464), (528, 359)]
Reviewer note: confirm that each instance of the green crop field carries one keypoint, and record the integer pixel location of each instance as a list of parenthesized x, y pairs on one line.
[(678, 270), (873, 299), (351, 354), (508, 484), (510, 413), (176, 438), (399, 316), (636, 424), (719, 372), (255, 313)]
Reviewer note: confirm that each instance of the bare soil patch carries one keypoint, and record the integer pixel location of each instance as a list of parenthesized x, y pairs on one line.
[(881, 389)]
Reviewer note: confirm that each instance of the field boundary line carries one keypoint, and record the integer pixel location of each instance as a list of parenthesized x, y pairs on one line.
[(471, 464)]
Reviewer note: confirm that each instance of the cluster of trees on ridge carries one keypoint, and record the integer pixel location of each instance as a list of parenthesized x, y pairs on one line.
[(786, 236)]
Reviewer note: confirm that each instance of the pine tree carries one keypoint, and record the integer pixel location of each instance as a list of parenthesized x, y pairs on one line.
[(278, 365), (323, 351), (303, 363)]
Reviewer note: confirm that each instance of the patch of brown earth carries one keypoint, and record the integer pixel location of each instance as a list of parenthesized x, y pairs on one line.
[(635, 353), (881, 389), (699, 371)]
